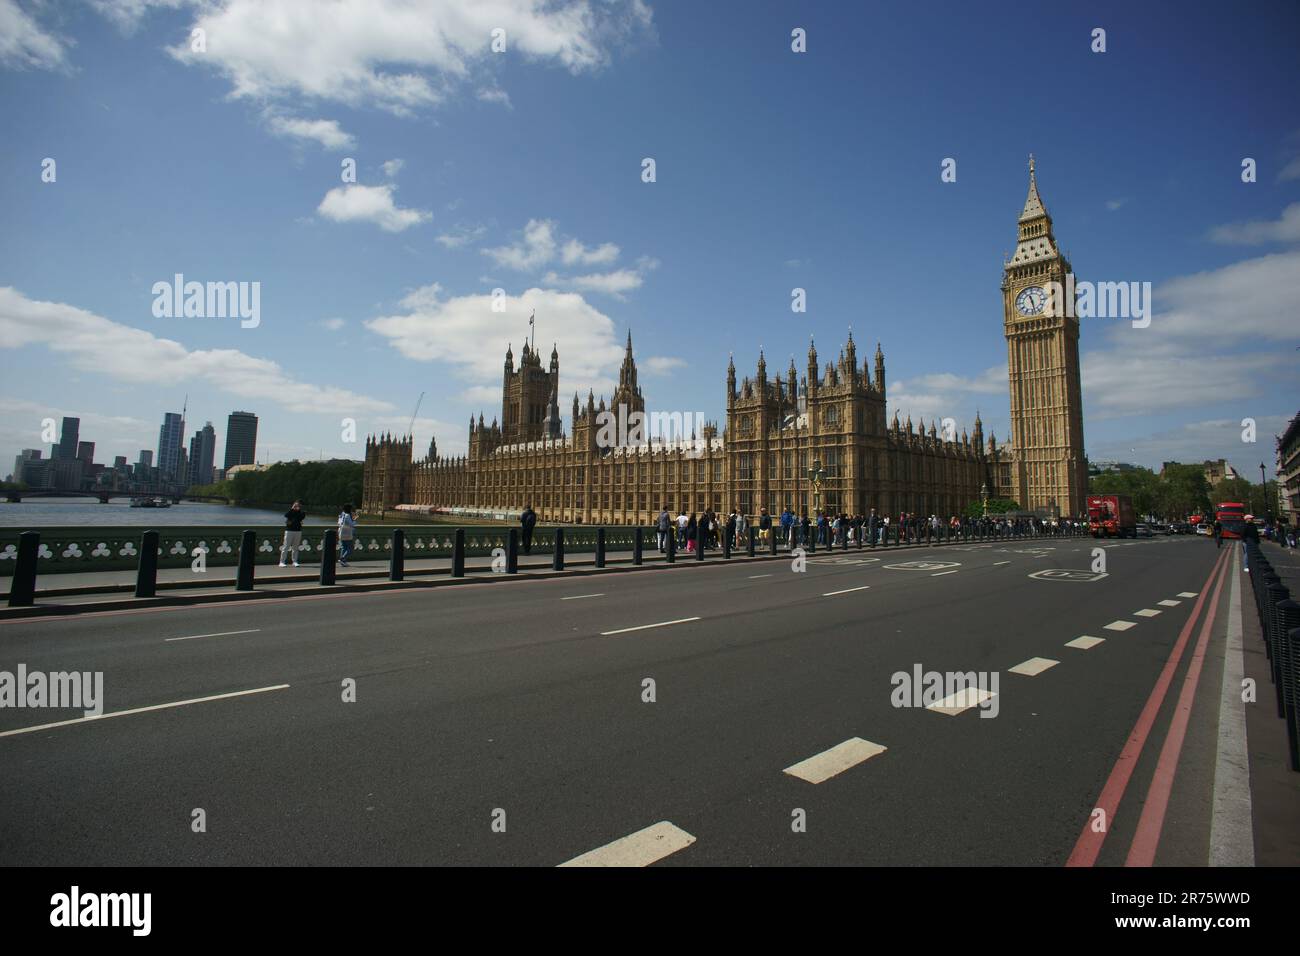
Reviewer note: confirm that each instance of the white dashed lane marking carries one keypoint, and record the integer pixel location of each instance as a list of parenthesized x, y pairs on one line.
[(846, 591), (1188, 594), (1034, 666), (579, 597), (961, 700), (1085, 643), (637, 849), (830, 763), (1147, 612), (642, 627), (1120, 625), (195, 637), (1170, 603)]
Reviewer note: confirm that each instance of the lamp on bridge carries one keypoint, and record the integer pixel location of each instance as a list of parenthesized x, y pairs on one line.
[(815, 475)]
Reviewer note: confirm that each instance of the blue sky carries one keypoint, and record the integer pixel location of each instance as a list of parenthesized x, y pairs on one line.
[(522, 171)]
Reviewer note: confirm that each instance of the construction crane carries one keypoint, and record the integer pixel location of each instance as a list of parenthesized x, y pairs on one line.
[(411, 430)]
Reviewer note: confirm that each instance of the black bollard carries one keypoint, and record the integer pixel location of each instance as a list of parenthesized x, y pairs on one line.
[(396, 561), (701, 539), (844, 537), (638, 541), (22, 589), (771, 539), (247, 554), (557, 561), (512, 551), (671, 553), (146, 571), (810, 536), (458, 554), (753, 537), (328, 557), (726, 541), (600, 547)]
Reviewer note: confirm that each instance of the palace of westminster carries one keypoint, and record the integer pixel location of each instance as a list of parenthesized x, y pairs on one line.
[(777, 431)]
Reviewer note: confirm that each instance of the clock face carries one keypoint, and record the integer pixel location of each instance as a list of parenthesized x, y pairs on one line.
[(1031, 300)]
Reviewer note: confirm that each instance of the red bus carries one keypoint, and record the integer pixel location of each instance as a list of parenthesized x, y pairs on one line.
[(1231, 516)]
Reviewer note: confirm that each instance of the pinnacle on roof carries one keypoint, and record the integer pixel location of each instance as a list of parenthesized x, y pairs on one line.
[(1033, 202)]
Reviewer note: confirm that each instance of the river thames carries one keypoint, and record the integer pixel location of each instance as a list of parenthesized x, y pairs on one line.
[(65, 512)]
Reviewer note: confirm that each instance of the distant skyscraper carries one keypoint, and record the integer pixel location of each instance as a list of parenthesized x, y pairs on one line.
[(146, 458), (241, 439), (170, 437), (86, 452), (203, 450), (29, 454), (67, 447)]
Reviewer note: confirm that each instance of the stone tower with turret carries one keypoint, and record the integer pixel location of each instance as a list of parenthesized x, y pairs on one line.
[(1049, 470)]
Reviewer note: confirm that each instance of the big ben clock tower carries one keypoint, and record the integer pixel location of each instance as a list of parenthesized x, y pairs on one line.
[(1050, 472)]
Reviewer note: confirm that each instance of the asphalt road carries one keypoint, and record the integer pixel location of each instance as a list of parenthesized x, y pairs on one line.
[(504, 724)]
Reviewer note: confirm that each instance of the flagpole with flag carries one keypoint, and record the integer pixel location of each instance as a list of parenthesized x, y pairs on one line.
[(531, 330)]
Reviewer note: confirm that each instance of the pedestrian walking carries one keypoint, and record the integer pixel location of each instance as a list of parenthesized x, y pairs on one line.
[(293, 519), (662, 528), (527, 522), (347, 534)]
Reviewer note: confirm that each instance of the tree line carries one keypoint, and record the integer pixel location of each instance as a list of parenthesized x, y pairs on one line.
[(1181, 491), (321, 486)]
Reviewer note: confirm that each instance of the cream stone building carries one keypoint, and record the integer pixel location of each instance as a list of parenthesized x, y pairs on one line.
[(814, 440)]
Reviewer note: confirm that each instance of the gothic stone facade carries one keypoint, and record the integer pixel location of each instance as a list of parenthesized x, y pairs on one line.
[(776, 431)]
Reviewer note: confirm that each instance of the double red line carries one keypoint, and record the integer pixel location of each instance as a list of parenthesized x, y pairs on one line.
[(1145, 840)]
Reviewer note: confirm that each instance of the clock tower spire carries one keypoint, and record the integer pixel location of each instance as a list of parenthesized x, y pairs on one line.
[(1049, 472)]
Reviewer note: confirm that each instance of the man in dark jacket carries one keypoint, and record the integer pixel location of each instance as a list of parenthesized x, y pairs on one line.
[(528, 521), (292, 532)]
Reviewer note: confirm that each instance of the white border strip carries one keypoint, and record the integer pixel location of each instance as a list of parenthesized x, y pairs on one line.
[(1232, 832)]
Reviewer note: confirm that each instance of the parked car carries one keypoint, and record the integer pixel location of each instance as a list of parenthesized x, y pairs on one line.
[(1205, 529), (1143, 530)]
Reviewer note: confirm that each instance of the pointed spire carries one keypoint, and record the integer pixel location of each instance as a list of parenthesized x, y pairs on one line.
[(1033, 202)]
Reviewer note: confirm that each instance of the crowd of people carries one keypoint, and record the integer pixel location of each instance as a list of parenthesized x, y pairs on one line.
[(831, 530)]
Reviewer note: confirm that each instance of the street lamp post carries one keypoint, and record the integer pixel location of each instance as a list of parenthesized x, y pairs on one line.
[(984, 497), (1263, 492), (815, 475)]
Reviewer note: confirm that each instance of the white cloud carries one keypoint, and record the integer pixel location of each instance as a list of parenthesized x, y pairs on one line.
[(575, 253), (355, 203), (1224, 335), (1256, 232), (333, 324), (461, 236), (24, 44), (95, 344), (1197, 441), (1114, 204), (1290, 171), (610, 283), (663, 364), (541, 244), (397, 55), (464, 332), (126, 14), (325, 132), (393, 167), (535, 249), (495, 95)]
